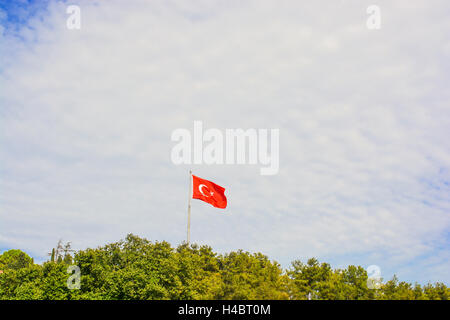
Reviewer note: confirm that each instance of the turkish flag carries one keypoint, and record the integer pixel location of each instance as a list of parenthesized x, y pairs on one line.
[(209, 192)]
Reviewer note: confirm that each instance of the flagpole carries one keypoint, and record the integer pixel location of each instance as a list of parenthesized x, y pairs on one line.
[(189, 209)]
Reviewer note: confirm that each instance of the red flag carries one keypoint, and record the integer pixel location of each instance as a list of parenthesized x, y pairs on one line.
[(209, 192)]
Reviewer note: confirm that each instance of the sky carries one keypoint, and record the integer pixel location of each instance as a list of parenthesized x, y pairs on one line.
[(86, 118)]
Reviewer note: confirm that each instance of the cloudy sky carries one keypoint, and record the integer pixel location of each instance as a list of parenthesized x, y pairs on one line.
[(86, 118)]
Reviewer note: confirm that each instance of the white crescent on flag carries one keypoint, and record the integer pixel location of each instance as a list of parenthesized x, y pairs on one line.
[(201, 190)]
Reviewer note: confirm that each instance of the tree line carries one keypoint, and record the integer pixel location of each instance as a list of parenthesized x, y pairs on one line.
[(137, 269)]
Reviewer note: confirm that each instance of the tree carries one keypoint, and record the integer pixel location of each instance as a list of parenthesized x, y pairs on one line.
[(251, 276), (14, 259), (312, 279), (354, 283), (53, 255), (62, 253), (136, 268)]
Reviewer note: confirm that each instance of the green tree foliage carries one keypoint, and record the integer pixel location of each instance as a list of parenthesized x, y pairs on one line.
[(250, 276), (14, 259), (135, 269)]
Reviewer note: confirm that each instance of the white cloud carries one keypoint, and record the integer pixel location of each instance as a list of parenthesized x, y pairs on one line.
[(87, 115)]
